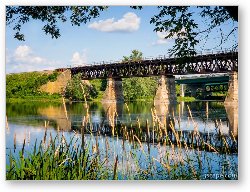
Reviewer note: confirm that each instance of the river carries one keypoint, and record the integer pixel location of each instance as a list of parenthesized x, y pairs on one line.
[(28, 121)]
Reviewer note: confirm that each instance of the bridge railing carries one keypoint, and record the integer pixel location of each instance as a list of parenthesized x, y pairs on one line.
[(162, 57)]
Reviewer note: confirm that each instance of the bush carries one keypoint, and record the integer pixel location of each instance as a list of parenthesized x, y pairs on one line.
[(77, 91), (139, 88)]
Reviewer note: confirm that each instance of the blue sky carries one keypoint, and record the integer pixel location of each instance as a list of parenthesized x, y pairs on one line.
[(109, 37)]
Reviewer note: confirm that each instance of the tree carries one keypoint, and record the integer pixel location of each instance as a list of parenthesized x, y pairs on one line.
[(178, 21), (135, 56), (50, 16), (27, 84), (78, 91), (138, 87)]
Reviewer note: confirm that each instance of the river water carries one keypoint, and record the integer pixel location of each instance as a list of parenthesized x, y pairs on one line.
[(28, 121)]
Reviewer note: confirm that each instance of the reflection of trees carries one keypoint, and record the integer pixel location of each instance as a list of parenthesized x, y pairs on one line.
[(232, 114), (215, 109), (26, 108)]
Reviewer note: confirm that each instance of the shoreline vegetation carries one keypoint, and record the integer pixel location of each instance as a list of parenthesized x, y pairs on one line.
[(58, 99), (25, 87)]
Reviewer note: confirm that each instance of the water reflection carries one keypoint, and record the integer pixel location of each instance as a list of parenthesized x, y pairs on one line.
[(163, 114), (208, 116), (232, 114), (58, 115), (193, 122), (113, 112)]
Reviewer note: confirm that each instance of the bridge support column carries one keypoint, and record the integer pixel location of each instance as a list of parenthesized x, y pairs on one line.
[(232, 94), (113, 92), (166, 92)]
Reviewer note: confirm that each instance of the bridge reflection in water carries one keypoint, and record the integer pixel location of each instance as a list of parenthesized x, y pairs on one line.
[(58, 115), (232, 114), (165, 121)]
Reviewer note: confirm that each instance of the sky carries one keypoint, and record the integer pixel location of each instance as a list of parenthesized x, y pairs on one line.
[(114, 34)]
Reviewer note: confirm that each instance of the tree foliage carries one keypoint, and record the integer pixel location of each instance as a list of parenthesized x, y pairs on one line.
[(179, 22), (138, 87), (27, 84), (50, 16), (135, 56), (78, 91)]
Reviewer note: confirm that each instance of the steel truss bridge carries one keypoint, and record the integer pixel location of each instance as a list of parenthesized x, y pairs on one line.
[(222, 62)]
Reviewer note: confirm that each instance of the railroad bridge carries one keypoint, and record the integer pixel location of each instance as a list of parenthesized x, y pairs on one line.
[(166, 68)]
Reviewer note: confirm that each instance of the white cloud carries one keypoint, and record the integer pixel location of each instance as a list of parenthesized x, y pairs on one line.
[(22, 51), (128, 23), (161, 37), (24, 54), (23, 60), (7, 56), (162, 34), (79, 59)]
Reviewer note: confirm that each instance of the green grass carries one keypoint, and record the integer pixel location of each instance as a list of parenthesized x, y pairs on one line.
[(43, 98), (57, 162), (186, 99)]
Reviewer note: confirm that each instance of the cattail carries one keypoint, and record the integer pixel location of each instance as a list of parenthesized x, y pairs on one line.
[(115, 167), (65, 109), (14, 141), (23, 147)]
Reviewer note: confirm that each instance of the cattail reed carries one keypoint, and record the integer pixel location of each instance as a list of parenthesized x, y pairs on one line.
[(14, 142), (23, 147)]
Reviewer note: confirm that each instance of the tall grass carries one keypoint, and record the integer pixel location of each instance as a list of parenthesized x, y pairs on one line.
[(155, 151)]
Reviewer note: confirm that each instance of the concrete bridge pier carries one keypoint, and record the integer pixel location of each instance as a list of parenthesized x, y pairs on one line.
[(232, 94), (166, 91), (113, 92)]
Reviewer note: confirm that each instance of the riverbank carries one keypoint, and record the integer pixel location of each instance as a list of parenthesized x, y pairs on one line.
[(26, 99), (58, 99)]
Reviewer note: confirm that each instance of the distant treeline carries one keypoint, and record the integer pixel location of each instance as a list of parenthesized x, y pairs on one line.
[(136, 88), (26, 86)]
